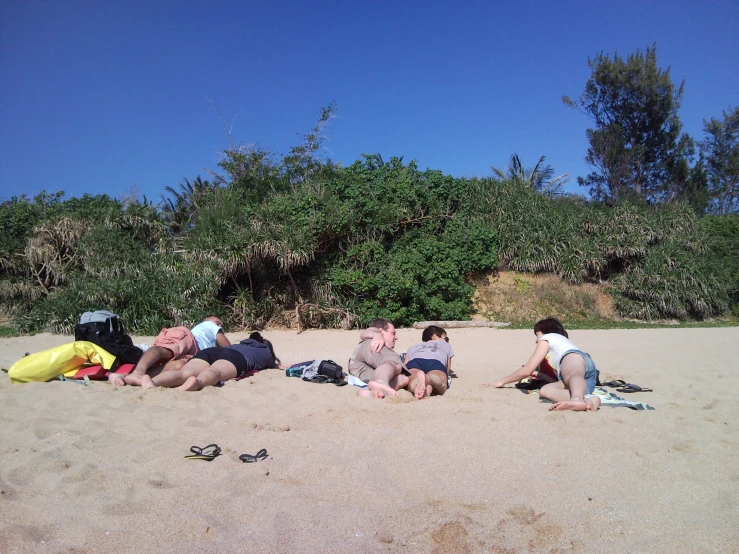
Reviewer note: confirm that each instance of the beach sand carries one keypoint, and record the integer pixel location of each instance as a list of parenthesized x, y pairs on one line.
[(102, 469)]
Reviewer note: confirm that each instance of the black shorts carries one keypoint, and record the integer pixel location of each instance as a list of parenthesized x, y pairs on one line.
[(212, 355), (426, 365)]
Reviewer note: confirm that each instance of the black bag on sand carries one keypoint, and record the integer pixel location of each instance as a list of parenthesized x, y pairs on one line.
[(330, 369), (107, 331)]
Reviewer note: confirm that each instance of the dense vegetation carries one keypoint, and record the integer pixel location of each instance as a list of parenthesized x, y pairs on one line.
[(298, 240), (345, 245)]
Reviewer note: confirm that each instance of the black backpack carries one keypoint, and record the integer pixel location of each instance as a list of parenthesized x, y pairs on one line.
[(107, 331), (330, 369), (326, 371)]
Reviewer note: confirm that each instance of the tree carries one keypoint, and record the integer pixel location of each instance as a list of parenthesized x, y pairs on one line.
[(540, 177), (180, 209), (636, 147), (720, 149), (303, 160), (695, 193)]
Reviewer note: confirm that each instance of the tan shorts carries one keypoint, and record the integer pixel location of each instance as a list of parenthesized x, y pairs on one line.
[(362, 364), (179, 340)]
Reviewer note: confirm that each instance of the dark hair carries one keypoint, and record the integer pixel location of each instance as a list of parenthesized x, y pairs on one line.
[(550, 325), (215, 317), (259, 338), (430, 331), (380, 323)]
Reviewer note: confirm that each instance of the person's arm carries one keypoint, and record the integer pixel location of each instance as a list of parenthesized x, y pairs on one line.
[(377, 341), (536, 358), (369, 333), (222, 339)]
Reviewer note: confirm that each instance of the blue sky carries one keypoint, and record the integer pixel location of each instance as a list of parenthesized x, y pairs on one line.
[(116, 96)]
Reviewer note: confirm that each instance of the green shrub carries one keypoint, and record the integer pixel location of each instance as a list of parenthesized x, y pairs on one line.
[(352, 243), (420, 276), (721, 236)]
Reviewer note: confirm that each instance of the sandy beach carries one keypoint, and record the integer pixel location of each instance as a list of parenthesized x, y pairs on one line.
[(102, 469)]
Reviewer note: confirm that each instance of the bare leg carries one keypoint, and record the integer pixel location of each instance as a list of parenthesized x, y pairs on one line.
[(380, 390), (385, 372), (172, 379), (572, 368), (555, 392), (116, 380), (437, 380), (191, 384), (221, 370), (174, 365), (587, 405), (155, 355), (417, 384), (399, 382)]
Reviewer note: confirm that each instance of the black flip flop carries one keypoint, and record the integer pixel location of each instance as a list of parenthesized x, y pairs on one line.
[(628, 387), (207, 453), (614, 384), (249, 458)]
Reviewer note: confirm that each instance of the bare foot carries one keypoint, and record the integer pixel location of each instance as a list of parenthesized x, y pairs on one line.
[(378, 394), (377, 387), (572, 405), (587, 405), (419, 390), (135, 379), (116, 380), (146, 382), (192, 384), (364, 393)]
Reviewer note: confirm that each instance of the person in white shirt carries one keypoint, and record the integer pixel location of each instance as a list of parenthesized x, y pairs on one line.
[(576, 371), (209, 333)]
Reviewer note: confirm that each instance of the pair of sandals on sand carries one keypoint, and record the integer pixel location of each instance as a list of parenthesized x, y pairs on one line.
[(622, 386), (212, 451)]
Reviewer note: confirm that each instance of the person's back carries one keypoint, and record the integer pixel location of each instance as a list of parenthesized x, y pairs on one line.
[(558, 346), (429, 363), (258, 354), (432, 350)]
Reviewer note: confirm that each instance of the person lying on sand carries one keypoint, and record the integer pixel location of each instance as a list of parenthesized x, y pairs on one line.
[(213, 365), (428, 362), (375, 360), (173, 347), (575, 369)]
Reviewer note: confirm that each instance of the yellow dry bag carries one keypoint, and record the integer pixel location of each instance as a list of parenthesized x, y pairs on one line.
[(51, 363)]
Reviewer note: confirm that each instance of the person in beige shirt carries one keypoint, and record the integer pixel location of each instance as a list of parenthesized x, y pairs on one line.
[(375, 362)]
